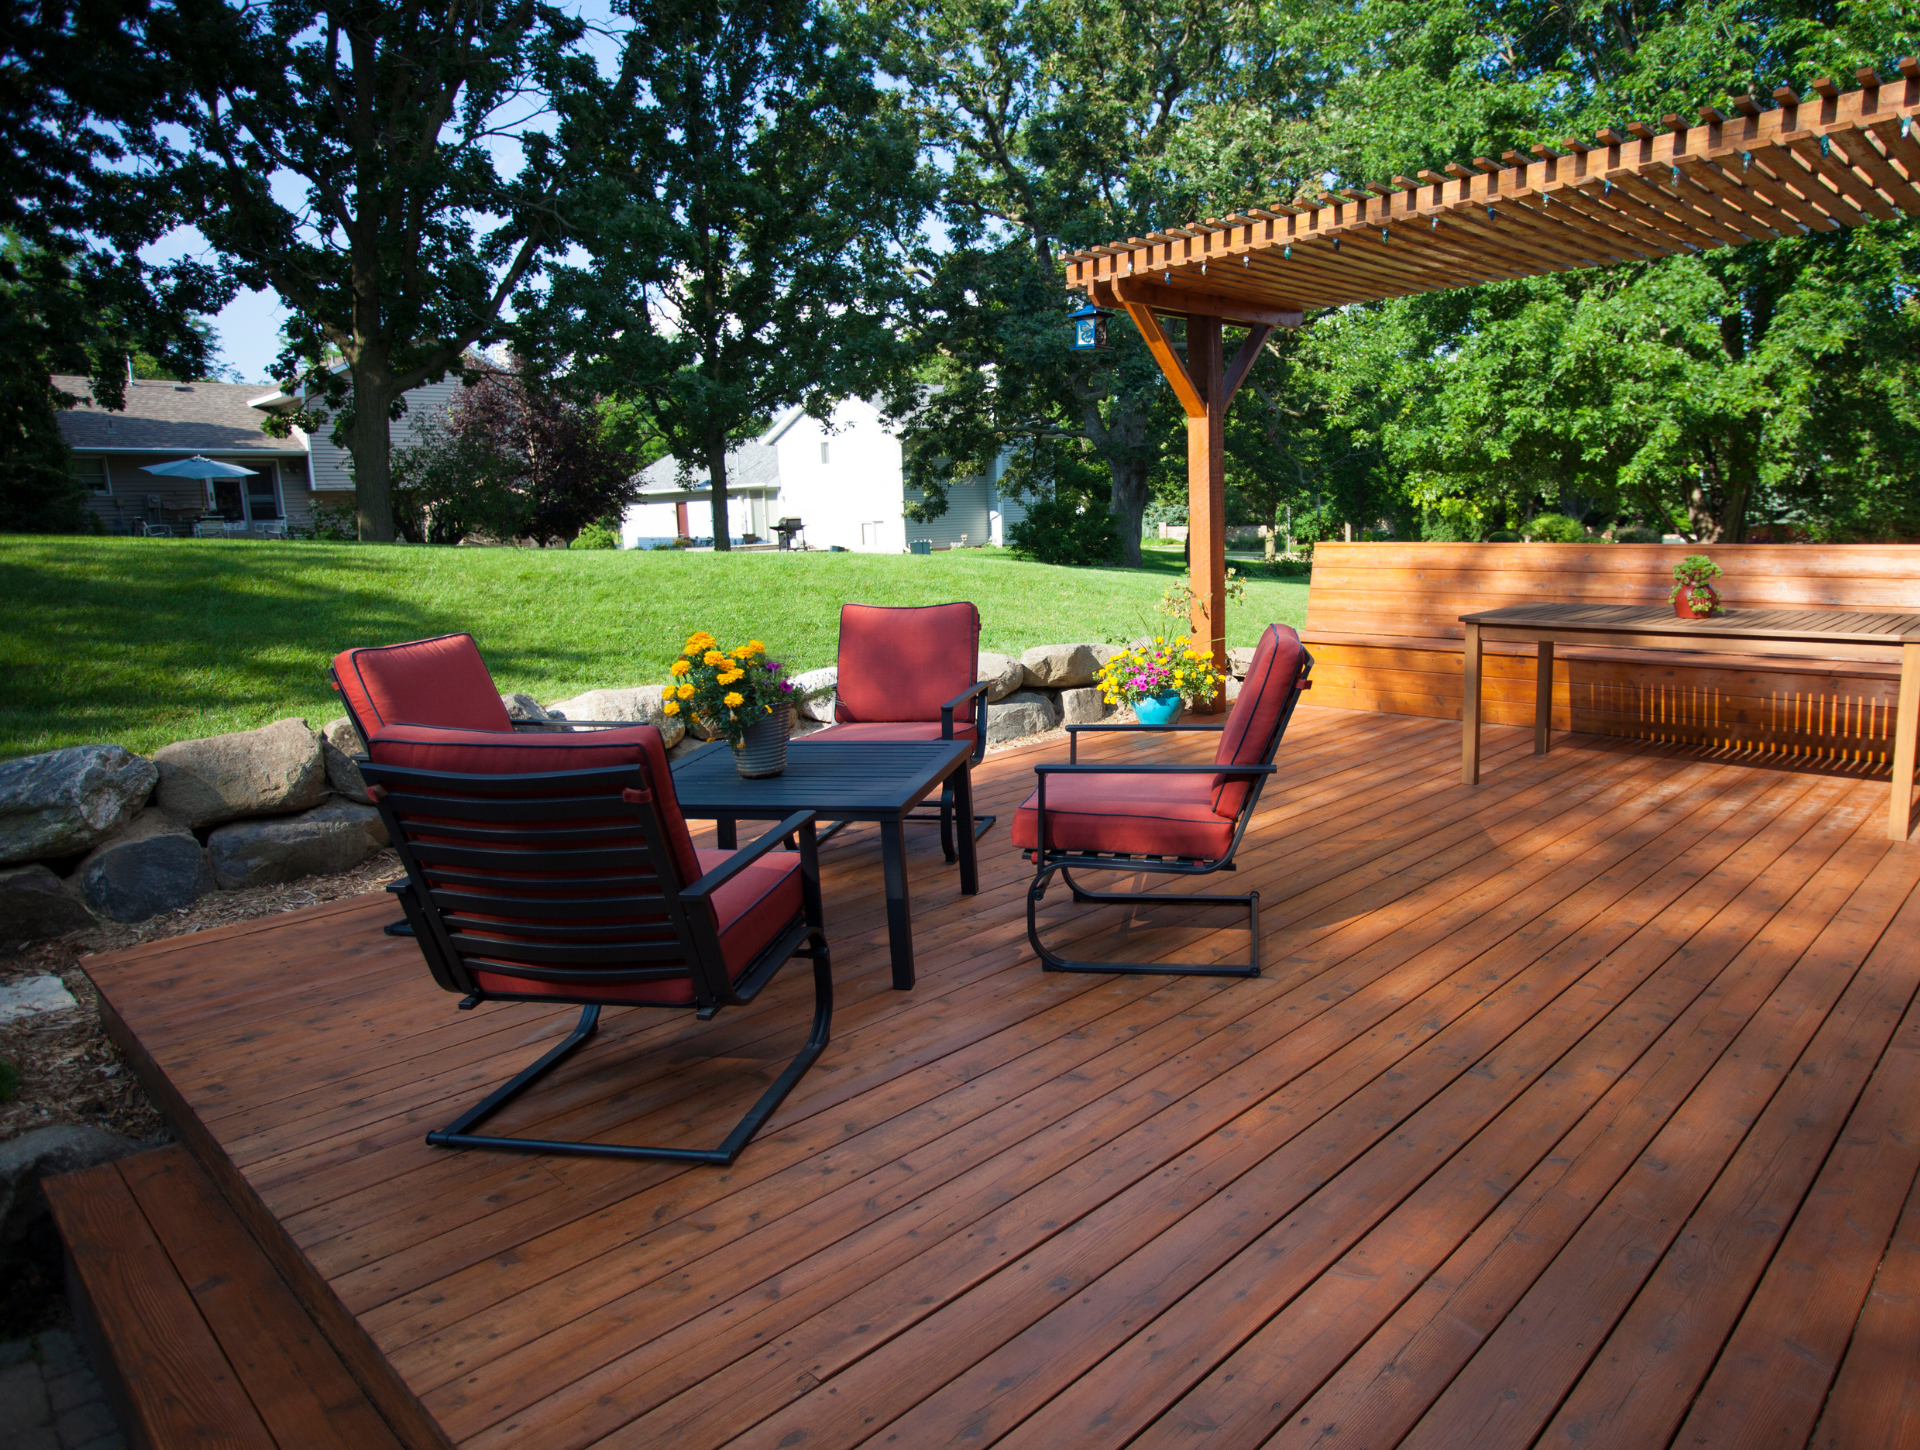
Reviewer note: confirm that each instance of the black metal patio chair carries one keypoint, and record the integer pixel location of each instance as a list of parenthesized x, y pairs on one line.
[(1172, 820), (556, 868)]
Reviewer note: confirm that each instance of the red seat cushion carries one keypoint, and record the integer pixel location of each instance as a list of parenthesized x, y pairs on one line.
[(750, 910), (904, 664), (1154, 815), (1272, 682), (439, 681)]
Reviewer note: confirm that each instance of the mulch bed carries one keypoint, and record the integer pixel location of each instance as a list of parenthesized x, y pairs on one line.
[(69, 1072)]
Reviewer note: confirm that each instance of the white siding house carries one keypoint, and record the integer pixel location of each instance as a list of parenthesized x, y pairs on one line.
[(331, 466), (843, 479)]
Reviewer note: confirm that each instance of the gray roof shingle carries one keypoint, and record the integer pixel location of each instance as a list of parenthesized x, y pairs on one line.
[(183, 418)]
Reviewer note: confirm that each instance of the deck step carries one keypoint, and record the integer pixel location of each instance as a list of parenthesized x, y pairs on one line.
[(204, 1343)]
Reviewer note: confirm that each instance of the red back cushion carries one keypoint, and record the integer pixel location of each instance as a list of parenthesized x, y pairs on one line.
[(481, 752), (427, 682), (1272, 681), (904, 664)]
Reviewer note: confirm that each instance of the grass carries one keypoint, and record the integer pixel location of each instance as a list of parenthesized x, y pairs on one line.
[(145, 641)]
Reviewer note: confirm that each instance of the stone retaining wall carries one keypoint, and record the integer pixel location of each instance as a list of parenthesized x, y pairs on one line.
[(95, 830)]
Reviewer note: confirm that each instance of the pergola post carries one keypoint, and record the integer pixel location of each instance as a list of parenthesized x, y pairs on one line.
[(1205, 384), (1207, 495)]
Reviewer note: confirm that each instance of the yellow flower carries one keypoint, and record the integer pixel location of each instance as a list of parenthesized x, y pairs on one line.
[(729, 677), (680, 667), (755, 647), (672, 707), (734, 699), (1158, 639), (685, 692), (713, 657)]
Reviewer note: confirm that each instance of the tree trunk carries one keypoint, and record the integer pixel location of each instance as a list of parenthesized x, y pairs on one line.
[(717, 481), (370, 441), (1127, 502)]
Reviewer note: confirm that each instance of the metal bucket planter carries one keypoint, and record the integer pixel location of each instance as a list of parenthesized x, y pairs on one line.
[(762, 750)]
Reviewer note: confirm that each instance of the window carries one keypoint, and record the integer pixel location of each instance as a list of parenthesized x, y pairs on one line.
[(870, 533), (92, 475), (823, 451)]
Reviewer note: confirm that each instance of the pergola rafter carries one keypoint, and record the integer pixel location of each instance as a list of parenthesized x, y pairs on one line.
[(1829, 160)]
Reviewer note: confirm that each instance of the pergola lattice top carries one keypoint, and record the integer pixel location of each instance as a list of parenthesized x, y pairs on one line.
[(1830, 160)]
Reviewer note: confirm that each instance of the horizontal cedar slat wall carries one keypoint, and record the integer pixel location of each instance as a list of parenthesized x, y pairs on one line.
[(1383, 621)]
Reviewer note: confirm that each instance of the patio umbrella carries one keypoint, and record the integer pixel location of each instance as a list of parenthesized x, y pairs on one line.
[(197, 467)]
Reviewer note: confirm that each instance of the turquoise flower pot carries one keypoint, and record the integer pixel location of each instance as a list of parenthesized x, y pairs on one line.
[(1161, 709)]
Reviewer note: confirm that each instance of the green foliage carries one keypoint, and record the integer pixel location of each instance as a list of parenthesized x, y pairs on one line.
[(9, 1080), (1064, 530), (1635, 534), (745, 236), (347, 160), (595, 536), (143, 642), (1555, 529)]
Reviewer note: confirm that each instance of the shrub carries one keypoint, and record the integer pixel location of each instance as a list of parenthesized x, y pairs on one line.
[(1555, 529), (1063, 531), (595, 536), (1503, 536), (1636, 534)]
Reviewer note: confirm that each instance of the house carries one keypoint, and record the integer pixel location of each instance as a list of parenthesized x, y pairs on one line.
[(843, 479), (167, 421)]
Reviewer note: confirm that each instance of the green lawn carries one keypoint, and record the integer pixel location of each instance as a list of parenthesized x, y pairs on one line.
[(144, 641)]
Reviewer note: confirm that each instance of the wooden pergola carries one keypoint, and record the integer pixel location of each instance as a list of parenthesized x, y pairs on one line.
[(1806, 164)]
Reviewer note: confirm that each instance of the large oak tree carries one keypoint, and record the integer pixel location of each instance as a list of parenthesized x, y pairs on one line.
[(357, 159)]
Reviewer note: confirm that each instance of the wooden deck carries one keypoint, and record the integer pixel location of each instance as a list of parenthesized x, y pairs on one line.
[(1576, 1108)]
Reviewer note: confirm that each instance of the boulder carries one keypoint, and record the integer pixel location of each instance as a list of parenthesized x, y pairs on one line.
[(34, 996), (340, 734), (687, 746), (1059, 666), (60, 802), (272, 771), (821, 706), (150, 865), (1239, 661), (41, 1154), (1003, 673), (525, 707), (641, 704), (1083, 706), (343, 773), (333, 837), (36, 903), (1026, 713)]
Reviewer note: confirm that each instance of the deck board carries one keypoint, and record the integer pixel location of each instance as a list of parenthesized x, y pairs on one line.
[(1578, 1105)]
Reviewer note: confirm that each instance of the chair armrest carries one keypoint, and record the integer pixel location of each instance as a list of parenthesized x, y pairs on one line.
[(746, 856), (1073, 732), (946, 710)]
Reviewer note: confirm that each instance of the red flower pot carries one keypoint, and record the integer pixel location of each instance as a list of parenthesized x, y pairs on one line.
[(1683, 601)]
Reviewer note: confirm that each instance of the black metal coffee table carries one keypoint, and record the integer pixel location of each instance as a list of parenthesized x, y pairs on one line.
[(852, 781)]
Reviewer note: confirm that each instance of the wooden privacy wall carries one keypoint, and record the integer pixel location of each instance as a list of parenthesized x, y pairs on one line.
[(1383, 622)]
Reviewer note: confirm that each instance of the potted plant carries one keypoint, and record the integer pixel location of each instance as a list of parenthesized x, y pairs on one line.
[(740, 696), (1694, 596), (1155, 677)]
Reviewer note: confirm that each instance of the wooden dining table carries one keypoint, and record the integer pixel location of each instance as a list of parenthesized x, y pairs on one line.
[(1805, 633)]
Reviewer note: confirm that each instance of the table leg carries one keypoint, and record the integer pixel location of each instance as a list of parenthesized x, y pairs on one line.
[(1905, 720), (726, 835), (893, 857), (1543, 698), (1470, 711), (962, 783)]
